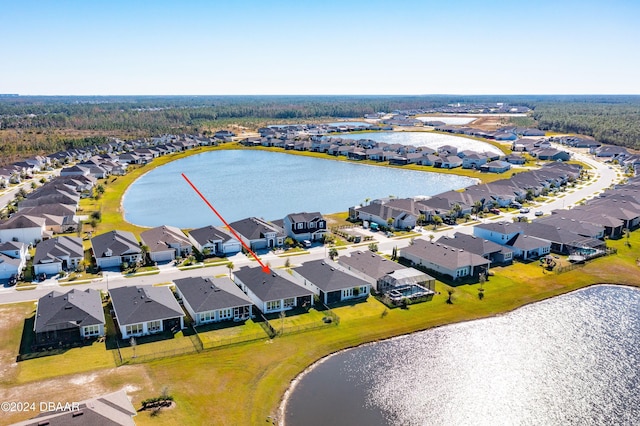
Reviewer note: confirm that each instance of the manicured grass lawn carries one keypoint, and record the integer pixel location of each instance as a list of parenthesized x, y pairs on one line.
[(220, 333), (74, 360), (156, 346)]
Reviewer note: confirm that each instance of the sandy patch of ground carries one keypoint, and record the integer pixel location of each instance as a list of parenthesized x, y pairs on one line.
[(134, 379)]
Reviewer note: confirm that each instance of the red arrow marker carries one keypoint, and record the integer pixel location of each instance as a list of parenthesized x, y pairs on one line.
[(265, 268)]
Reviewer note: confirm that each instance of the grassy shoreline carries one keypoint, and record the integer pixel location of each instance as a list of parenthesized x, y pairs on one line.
[(110, 203), (244, 384)]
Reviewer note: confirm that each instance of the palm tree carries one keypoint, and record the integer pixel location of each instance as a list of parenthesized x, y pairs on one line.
[(230, 266)]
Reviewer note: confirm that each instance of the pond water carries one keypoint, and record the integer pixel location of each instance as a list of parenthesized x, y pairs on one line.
[(244, 183), (452, 121), (571, 360), (431, 140)]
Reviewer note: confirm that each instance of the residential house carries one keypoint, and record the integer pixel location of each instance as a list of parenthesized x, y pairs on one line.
[(512, 235), (496, 253), (143, 310), (401, 213), (272, 292), (258, 233), (496, 166), (114, 248), (58, 254), (453, 262), (213, 299), (331, 282), (305, 226), (23, 228), (473, 161), (383, 274), (216, 240), (68, 317), (13, 259), (114, 409), (165, 243)]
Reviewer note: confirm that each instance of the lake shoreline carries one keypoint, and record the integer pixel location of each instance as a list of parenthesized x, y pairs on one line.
[(281, 411)]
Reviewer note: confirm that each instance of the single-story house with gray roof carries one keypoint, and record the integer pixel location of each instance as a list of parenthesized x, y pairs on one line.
[(165, 243), (331, 282), (274, 292), (57, 254), (454, 262), (142, 310), (213, 299), (217, 240), (68, 317)]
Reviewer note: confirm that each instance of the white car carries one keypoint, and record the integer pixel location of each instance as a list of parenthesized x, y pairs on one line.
[(524, 210), (539, 213)]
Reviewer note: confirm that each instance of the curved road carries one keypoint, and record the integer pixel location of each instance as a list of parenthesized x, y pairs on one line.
[(604, 177)]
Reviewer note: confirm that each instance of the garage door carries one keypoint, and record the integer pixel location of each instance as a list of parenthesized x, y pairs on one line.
[(162, 256), (109, 262), (49, 269)]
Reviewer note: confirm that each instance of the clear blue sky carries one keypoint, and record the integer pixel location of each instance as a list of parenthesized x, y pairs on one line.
[(219, 47)]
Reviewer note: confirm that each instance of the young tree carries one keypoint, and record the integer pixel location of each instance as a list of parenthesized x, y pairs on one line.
[(230, 267), (373, 247), (333, 253)]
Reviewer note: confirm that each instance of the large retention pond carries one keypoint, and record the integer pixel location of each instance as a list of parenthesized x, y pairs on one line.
[(571, 360), (243, 183)]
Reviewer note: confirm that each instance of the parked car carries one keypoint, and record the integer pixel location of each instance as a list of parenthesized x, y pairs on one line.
[(42, 276), (524, 210), (539, 213), (13, 280), (495, 211), (306, 243)]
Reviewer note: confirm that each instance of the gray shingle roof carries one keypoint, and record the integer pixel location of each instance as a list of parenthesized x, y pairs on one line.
[(159, 238), (138, 304), (57, 311), (440, 254), (370, 264), (52, 249), (209, 234), (272, 286), (210, 294), (114, 409), (328, 276), (120, 243), (254, 228), (472, 244)]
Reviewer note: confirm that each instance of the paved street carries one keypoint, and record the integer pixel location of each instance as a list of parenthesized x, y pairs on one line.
[(604, 176)]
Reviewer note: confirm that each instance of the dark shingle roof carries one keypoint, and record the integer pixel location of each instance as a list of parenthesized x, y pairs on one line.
[(209, 234), (254, 228), (370, 264), (328, 276), (120, 242), (440, 254), (76, 308), (159, 238), (144, 303), (52, 249), (271, 286), (210, 294)]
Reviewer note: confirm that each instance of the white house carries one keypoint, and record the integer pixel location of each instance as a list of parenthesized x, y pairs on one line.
[(143, 310)]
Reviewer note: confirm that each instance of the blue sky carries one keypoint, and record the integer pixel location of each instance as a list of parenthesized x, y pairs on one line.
[(326, 47)]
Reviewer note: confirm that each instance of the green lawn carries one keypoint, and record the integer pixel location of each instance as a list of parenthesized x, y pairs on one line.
[(218, 334)]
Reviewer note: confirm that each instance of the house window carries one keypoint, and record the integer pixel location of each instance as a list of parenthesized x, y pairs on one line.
[(347, 292), (273, 305), (205, 316), (134, 329), (290, 303), (92, 330), (225, 314), (154, 326), (364, 290), (312, 225)]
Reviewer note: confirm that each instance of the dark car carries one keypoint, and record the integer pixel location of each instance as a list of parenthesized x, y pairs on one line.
[(13, 280), (495, 211), (42, 276)]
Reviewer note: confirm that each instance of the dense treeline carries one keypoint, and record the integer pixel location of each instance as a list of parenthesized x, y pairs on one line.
[(39, 124), (616, 123)]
